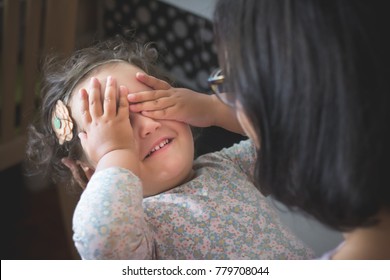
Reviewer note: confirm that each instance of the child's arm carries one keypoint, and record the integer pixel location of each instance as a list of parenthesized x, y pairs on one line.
[(181, 104), (108, 222)]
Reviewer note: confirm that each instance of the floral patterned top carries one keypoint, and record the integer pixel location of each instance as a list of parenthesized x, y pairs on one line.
[(217, 215)]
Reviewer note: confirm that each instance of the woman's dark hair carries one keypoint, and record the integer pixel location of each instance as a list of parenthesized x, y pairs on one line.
[(60, 75), (313, 78)]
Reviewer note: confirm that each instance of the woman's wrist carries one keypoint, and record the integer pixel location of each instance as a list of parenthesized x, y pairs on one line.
[(224, 116)]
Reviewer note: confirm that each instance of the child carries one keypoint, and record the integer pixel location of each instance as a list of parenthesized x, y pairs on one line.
[(147, 198)]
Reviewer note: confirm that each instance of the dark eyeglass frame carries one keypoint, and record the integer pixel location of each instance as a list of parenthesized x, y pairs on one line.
[(216, 81)]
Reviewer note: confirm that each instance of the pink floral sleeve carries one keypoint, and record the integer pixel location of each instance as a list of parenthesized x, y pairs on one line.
[(108, 222)]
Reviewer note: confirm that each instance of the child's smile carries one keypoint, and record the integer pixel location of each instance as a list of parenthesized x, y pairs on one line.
[(165, 147), (160, 146)]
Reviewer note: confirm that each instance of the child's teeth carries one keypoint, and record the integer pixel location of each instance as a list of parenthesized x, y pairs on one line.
[(158, 147)]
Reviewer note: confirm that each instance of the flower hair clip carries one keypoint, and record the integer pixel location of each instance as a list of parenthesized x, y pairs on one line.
[(62, 123)]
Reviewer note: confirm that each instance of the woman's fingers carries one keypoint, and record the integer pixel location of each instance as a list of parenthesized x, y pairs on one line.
[(151, 81), (150, 100), (152, 105), (144, 96), (165, 113)]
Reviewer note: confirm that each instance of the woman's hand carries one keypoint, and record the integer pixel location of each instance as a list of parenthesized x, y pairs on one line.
[(166, 102), (181, 104)]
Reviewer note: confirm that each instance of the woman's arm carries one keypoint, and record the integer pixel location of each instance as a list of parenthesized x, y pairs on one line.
[(181, 104)]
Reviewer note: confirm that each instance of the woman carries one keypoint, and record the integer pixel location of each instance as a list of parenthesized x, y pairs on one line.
[(309, 81)]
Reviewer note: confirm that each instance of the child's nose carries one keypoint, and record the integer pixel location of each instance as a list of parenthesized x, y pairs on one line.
[(144, 125)]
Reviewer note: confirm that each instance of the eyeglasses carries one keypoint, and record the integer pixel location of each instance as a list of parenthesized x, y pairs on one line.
[(216, 81)]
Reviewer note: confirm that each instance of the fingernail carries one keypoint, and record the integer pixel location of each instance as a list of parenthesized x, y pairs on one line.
[(140, 74)]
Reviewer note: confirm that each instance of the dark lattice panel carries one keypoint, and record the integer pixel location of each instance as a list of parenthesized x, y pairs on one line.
[(184, 40)]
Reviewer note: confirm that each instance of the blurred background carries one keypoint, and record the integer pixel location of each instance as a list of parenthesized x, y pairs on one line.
[(36, 214)]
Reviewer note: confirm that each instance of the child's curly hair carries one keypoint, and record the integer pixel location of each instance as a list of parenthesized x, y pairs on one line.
[(60, 76)]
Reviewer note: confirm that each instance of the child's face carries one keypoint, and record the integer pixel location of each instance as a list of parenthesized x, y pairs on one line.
[(160, 169)]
